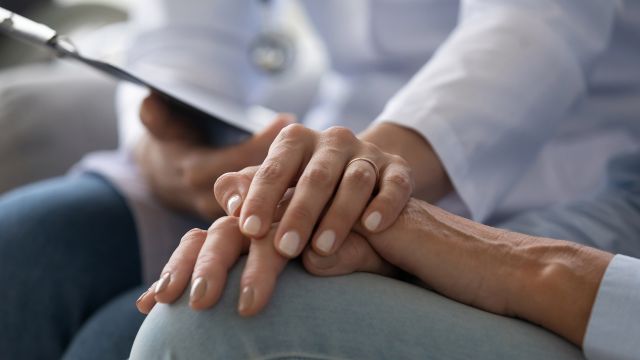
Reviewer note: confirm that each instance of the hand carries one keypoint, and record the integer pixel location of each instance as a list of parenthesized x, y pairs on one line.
[(488, 268), (332, 189), (207, 256), (180, 169)]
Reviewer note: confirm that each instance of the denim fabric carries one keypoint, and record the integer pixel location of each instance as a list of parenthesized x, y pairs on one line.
[(68, 246), (359, 316)]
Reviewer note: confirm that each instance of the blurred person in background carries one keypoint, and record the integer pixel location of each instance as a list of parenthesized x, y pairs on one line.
[(494, 107)]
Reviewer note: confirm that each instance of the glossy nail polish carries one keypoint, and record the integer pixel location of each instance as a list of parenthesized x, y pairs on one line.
[(141, 296), (373, 221), (326, 240), (163, 283), (289, 243), (252, 225), (198, 289), (246, 299), (233, 204)]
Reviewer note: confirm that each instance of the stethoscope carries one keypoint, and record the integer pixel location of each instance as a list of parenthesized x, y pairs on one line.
[(273, 50)]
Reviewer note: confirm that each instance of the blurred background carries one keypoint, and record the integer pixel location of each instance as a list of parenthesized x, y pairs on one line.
[(53, 112), (41, 99)]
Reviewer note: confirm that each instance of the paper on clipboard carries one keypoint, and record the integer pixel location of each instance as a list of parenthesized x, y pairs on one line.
[(222, 124)]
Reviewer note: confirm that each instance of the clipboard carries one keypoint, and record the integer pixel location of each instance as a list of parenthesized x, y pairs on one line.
[(221, 124)]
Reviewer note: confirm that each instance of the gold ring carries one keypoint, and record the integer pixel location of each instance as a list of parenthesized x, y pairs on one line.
[(375, 167)]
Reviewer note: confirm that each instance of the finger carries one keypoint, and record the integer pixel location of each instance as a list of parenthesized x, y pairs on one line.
[(354, 192), (314, 190), (231, 188), (355, 254), (224, 245), (259, 277), (162, 122), (396, 186), (177, 272), (278, 171), (147, 300), (204, 165)]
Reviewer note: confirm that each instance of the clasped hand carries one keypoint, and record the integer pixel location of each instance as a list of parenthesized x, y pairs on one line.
[(316, 193)]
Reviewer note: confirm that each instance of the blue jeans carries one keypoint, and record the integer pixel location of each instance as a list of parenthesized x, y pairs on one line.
[(70, 271), (359, 316)]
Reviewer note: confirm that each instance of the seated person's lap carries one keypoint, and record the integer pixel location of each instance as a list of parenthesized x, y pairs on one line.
[(349, 317), (67, 247)]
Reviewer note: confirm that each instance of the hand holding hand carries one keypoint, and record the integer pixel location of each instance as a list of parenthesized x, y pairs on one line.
[(339, 180)]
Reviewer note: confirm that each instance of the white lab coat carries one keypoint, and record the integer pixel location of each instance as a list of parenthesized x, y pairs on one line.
[(525, 101)]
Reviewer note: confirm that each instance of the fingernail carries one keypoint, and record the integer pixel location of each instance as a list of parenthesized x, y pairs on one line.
[(233, 204), (252, 225), (198, 289), (141, 296), (163, 283), (373, 221), (289, 243), (326, 240), (246, 299)]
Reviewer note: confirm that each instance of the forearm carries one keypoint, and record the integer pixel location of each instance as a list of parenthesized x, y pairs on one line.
[(557, 288), (552, 283), (431, 180), (549, 282)]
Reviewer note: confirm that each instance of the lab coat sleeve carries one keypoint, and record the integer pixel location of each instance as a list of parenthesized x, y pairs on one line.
[(497, 89)]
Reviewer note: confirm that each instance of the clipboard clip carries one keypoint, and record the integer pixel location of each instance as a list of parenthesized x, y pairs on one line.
[(35, 33)]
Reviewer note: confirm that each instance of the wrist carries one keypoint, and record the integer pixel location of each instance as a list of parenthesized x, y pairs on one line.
[(431, 180), (557, 284)]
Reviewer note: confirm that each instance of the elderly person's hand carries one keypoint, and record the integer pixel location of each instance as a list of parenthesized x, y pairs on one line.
[(204, 258), (180, 169), (549, 282), (339, 180)]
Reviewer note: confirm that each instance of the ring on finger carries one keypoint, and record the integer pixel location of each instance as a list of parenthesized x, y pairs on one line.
[(375, 167)]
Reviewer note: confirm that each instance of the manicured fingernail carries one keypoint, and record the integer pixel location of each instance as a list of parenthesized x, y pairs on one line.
[(163, 283), (141, 296), (289, 243), (246, 299), (326, 240), (198, 289), (233, 204), (373, 221), (252, 225)]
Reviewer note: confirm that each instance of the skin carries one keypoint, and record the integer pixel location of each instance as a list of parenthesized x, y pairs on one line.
[(549, 282), (332, 192), (180, 169)]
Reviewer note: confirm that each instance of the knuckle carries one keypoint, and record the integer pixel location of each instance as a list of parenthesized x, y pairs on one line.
[(300, 214), (371, 148), (339, 135), (270, 172), (400, 160), (401, 180), (317, 176), (191, 236), (293, 132), (316, 264), (360, 175), (224, 222)]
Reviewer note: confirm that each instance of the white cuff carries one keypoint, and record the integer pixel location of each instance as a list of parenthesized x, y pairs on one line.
[(614, 327)]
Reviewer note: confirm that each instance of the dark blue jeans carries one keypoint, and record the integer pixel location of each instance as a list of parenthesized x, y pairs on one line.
[(69, 271)]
